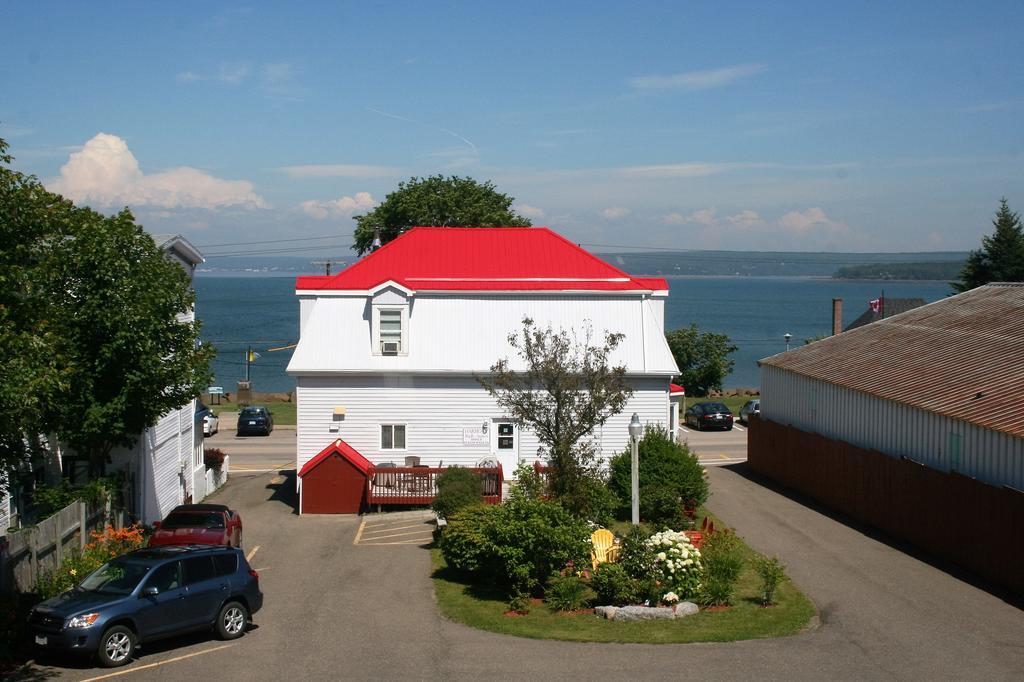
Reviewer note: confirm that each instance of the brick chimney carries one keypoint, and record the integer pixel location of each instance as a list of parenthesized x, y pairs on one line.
[(837, 316)]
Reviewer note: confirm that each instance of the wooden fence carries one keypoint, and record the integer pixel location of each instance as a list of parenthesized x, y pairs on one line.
[(418, 485), (28, 553), (950, 516)]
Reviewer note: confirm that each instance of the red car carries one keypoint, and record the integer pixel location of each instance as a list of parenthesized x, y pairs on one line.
[(199, 524)]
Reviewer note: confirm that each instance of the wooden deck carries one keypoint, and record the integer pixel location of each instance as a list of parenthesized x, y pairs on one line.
[(418, 485)]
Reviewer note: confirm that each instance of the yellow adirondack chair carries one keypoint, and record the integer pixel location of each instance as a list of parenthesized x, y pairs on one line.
[(602, 547)]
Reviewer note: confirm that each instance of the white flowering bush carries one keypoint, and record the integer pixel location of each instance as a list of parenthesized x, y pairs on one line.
[(677, 567)]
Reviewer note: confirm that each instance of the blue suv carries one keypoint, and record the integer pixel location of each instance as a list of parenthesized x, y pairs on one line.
[(149, 594)]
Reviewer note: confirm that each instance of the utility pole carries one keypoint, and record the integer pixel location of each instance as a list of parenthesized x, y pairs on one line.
[(327, 264), (248, 359)]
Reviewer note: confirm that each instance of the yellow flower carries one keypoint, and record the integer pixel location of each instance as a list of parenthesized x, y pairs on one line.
[(74, 571)]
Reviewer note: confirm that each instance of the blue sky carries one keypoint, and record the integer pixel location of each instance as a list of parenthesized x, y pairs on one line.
[(810, 126)]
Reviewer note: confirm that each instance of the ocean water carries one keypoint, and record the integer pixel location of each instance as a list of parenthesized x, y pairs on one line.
[(756, 313)]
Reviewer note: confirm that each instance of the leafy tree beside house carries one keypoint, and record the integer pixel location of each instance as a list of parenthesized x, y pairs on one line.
[(436, 201), (1001, 256), (89, 315), (567, 389), (702, 357)]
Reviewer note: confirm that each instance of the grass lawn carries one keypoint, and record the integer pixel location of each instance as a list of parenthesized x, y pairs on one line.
[(484, 607), (284, 412)]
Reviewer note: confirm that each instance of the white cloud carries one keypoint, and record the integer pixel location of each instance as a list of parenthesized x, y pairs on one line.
[(688, 170), (188, 77), (106, 173), (340, 170), (811, 220), (746, 218), (697, 80), (233, 74), (706, 216), (615, 212), (674, 219), (528, 211), (344, 207)]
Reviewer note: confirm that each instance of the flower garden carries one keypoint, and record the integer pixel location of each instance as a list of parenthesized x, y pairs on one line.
[(528, 567)]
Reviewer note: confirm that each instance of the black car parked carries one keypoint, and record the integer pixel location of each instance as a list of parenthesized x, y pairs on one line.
[(150, 594), (255, 421), (708, 416)]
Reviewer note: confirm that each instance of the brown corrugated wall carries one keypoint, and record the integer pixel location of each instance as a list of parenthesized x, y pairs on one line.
[(952, 517)]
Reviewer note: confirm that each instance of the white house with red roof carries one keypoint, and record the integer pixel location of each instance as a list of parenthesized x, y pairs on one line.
[(389, 348)]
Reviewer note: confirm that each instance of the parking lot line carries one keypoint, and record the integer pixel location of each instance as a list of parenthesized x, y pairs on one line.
[(739, 426), (252, 553), (359, 533), (159, 663), (388, 528), (394, 535)]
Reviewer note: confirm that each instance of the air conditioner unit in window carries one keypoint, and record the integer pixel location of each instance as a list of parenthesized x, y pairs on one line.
[(390, 347)]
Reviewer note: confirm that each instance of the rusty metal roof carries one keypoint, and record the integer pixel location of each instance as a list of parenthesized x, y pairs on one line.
[(961, 357)]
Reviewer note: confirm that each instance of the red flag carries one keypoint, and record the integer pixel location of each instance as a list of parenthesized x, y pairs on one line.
[(876, 305)]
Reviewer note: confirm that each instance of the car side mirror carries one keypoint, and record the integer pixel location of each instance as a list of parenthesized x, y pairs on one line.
[(150, 591)]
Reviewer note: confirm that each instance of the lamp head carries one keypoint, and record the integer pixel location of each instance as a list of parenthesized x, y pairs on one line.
[(636, 429)]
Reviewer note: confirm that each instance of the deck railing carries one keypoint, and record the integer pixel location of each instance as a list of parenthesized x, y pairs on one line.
[(418, 485)]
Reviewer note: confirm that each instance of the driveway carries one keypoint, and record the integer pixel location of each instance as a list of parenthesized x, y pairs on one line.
[(339, 610)]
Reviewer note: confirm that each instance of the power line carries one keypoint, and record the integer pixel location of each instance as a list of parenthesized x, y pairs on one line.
[(269, 241)]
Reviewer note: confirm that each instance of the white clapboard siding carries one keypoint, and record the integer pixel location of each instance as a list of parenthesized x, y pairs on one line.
[(468, 333), (436, 410)]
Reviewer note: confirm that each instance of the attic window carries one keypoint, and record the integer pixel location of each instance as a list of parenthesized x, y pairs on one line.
[(391, 330)]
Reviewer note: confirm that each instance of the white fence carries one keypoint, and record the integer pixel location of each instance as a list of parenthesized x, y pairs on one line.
[(215, 478), (28, 553)]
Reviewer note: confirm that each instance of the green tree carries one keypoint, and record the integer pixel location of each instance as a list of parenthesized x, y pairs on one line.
[(436, 201), (703, 358), (91, 317), (1001, 256), (566, 389)]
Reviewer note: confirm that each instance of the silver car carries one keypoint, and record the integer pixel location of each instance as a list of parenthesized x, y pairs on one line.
[(751, 407)]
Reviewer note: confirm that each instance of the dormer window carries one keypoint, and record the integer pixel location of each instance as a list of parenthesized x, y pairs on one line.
[(390, 332)]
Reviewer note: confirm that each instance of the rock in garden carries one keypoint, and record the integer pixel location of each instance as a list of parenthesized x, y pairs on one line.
[(629, 613), (606, 611), (685, 608)]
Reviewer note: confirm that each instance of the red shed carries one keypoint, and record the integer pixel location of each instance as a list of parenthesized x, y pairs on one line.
[(334, 481)]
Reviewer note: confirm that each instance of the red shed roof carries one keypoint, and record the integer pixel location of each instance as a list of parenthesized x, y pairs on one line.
[(483, 259), (676, 389), (342, 448)]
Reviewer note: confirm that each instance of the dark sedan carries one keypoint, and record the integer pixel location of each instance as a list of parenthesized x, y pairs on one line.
[(255, 421), (708, 416), (149, 594)]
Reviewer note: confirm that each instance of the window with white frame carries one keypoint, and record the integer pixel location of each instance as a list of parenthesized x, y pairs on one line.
[(390, 331), (392, 436)]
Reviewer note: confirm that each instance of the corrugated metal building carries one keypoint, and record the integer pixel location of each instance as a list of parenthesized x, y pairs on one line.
[(942, 384)]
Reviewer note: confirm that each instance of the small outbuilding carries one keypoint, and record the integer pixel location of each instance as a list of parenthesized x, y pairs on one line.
[(334, 481)]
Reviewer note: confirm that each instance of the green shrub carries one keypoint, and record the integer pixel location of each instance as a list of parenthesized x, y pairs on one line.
[(661, 506), (456, 488), (664, 463), (517, 544), (568, 593), (771, 572), (528, 483), (75, 567), (591, 500), (613, 586), (48, 500), (636, 556), (722, 558)]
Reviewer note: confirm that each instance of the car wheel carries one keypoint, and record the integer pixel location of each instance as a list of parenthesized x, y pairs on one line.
[(116, 646), (231, 620), (729, 427)]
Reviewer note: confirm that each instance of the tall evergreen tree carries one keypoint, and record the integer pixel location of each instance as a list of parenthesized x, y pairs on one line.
[(1001, 256)]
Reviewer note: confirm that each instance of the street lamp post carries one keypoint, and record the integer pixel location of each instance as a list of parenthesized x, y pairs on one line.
[(636, 429), (787, 336)]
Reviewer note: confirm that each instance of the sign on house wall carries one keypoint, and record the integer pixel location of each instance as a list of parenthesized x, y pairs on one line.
[(473, 435)]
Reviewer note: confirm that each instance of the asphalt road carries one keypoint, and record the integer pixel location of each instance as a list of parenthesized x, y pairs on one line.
[(339, 610), (715, 448)]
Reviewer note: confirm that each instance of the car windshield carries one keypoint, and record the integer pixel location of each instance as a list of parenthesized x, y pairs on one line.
[(193, 520), (115, 577)]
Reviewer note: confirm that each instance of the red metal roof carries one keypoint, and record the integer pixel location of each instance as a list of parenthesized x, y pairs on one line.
[(483, 259), (342, 448), (676, 389), (959, 357)]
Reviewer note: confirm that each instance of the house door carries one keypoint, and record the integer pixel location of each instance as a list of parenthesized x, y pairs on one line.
[(505, 445)]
